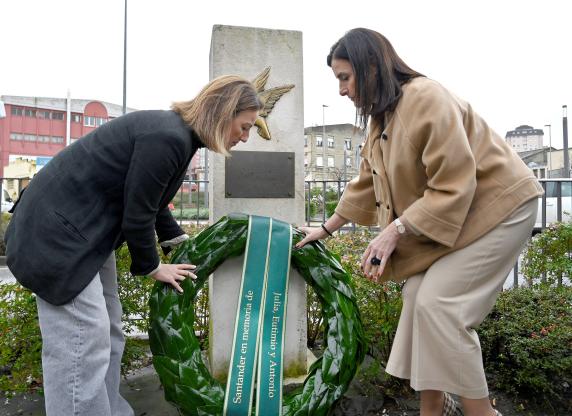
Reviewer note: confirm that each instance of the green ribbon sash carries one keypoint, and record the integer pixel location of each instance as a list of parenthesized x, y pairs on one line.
[(263, 297), (269, 388)]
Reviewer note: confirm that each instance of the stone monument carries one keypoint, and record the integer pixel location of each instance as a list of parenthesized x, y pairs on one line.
[(263, 177)]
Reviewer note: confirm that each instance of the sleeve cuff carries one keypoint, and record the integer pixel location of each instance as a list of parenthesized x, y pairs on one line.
[(174, 241), (154, 271), (356, 214), (431, 226)]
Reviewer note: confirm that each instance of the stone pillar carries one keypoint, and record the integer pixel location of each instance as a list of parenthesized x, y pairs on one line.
[(247, 52)]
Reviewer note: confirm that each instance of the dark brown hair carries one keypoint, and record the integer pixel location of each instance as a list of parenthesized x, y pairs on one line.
[(379, 72)]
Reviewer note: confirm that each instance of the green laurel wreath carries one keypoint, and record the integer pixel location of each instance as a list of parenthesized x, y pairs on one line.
[(177, 357)]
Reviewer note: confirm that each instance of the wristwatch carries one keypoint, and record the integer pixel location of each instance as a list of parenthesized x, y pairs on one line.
[(399, 225)]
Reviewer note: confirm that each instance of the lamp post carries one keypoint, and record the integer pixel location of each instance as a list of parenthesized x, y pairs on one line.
[(549, 148), (125, 61), (324, 141), (345, 163), (566, 173)]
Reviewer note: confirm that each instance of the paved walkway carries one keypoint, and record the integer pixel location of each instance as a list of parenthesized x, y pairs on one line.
[(142, 390), (6, 275)]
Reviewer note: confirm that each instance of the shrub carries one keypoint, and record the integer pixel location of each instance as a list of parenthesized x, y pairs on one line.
[(314, 318), (548, 256), (191, 214), (20, 341), (380, 308), (331, 208), (526, 343), (4, 220), (379, 305), (317, 202), (134, 292)]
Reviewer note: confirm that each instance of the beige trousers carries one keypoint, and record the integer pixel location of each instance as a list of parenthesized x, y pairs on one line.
[(436, 346)]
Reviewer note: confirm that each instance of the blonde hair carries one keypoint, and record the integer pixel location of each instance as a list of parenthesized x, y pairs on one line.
[(211, 112)]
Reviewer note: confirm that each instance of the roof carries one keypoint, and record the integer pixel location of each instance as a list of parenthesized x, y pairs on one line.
[(319, 129), (48, 103), (525, 130)]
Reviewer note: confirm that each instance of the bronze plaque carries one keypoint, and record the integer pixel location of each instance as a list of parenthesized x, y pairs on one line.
[(259, 175)]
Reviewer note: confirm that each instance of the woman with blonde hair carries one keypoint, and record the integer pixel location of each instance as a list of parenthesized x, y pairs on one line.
[(110, 186)]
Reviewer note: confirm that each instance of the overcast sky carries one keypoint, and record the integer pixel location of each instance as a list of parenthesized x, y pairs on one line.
[(512, 60)]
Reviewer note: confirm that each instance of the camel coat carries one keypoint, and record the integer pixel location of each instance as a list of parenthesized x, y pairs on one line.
[(441, 168)]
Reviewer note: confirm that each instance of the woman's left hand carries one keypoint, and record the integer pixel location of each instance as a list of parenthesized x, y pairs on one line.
[(381, 248)]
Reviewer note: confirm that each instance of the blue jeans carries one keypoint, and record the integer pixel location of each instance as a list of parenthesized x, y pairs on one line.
[(82, 348)]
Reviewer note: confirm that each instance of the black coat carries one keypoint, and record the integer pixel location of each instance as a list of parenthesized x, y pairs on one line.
[(112, 185)]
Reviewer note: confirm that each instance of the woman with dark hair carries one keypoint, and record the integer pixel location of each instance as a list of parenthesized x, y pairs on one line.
[(455, 205), (112, 185)]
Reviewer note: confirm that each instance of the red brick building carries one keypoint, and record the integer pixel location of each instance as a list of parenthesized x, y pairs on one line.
[(37, 128), (34, 129)]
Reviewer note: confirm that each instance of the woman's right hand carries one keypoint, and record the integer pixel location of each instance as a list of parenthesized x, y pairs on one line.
[(174, 273), (312, 234)]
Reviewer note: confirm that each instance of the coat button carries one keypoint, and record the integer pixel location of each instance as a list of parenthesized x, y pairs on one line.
[(377, 204), (388, 206), (384, 136)]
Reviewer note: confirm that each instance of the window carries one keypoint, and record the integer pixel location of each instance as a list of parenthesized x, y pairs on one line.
[(44, 139), (89, 121), (349, 162), (330, 161), (305, 161), (29, 137), (319, 141), (331, 142), (305, 140), (17, 111), (44, 114), (76, 118), (30, 113), (99, 121), (16, 136), (57, 139), (552, 191), (57, 116), (348, 144), (319, 161)]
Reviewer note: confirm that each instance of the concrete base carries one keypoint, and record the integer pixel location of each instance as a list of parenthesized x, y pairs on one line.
[(310, 359), (224, 288)]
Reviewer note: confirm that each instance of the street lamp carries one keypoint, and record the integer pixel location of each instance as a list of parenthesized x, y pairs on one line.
[(324, 140), (566, 173), (125, 61), (549, 147)]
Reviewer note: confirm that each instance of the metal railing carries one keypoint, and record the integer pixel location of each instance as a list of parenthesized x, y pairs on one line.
[(191, 204), (556, 203)]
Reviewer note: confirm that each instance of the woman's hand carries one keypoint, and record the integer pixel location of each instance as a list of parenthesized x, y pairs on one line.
[(174, 273), (312, 234), (381, 248)]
